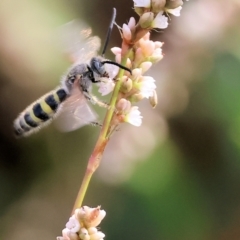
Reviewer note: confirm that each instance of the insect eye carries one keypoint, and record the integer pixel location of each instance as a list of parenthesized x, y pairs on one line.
[(71, 79)]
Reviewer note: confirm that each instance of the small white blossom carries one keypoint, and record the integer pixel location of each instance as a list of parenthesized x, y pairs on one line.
[(157, 55), (61, 238), (106, 86), (68, 235), (158, 44), (175, 11), (134, 117), (147, 86), (160, 21), (142, 3), (73, 224)]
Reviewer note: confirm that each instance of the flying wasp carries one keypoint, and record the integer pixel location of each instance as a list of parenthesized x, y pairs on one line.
[(68, 102)]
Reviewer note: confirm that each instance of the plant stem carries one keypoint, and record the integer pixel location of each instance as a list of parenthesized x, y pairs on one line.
[(93, 164), (102, 141)]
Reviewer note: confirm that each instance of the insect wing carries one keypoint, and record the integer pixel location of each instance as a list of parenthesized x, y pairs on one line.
[(75, 113), (78, 43)]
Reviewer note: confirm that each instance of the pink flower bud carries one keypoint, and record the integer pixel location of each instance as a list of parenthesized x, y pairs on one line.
[(127, 35), (132, 23), (90, 217), (126, 84), (171, 4), (153, 99), (123, 105), (146, 20), (116, 50), (158, 5), (145, 66), (97, 236), (147, 47), (118, 58)]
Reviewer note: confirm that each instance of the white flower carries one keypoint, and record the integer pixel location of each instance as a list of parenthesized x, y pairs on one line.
[(68, 235), (156, 56), (160, 21), (175, 11), (147, 86), (134, 117), (105, 86), (158, 44), (61, 238), (73, 224), (142, 3)]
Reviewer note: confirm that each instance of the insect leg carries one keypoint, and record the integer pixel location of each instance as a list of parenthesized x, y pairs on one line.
[(94, 99), (96, 124)]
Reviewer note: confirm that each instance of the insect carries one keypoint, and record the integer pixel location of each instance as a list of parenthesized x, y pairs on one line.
[(68, 102)]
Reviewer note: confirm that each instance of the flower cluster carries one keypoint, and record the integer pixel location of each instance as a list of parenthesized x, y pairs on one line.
[(152, 12), (82, 225), (135, 87), (141, 54)]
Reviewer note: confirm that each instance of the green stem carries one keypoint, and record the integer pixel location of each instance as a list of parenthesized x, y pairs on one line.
[(110, 112), (102, 141)]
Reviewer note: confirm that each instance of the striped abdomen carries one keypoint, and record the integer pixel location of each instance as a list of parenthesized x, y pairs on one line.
[(40, 113)]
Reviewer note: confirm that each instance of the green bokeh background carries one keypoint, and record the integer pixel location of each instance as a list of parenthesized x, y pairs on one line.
[(189, 185)]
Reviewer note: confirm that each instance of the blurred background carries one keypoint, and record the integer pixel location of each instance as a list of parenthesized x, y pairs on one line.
[(177, 177)]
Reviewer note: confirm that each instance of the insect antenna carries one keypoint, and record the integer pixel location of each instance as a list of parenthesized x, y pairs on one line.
[(117, 64), (109, 31), (107, 41)]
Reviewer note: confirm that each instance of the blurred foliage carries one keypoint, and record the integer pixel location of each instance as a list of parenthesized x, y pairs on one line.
[(188, 186)]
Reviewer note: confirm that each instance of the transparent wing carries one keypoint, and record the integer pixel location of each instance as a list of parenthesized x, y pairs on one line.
[(74, 113), (77, 41)]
